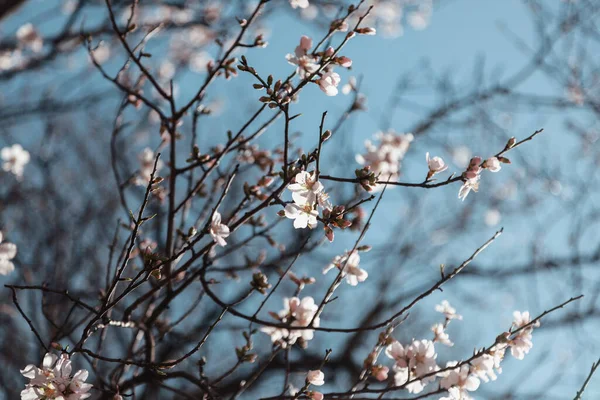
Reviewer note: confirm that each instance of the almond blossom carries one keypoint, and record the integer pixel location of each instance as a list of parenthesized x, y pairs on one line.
[(385, 158), (348, 264), (440, 335), (483, 366), (449, 312), (459, 382), (303, 214), (435, 164), (305, 62), (306, 188), (329, 82), (54, 380), (147, 159), (493, 164), (316, 377), (15, 158), (470, 178), (296, 313), (413, 361), (8, 251), (217, 230), (521, 343)]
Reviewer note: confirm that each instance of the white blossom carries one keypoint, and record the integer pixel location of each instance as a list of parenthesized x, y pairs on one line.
[(440, 335), (435, 164), (303, 214), (348, 264), (147, 159), (483, 366), (459, 382), (54, 380), (8, 251), (449, 312), (521, 343), (306, 188), (493, 164), (14, 159), (329, 83), (316, 377), (412, 362), (385, 158), (217, 230), (297, 313)]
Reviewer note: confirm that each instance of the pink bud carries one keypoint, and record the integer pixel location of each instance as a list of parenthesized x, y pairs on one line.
[(345, 62), (329, 52), (305, 43), (470, 174), (475, 161)]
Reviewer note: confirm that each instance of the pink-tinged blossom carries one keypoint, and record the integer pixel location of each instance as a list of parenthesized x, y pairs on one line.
[(412, 362), (303, 214), (493, 164), (348, 264), (8, 251), (306, 188), (380, 372), (459, 382), (329, 83), (440, 335), (521, 343), (385, 157), (147, 159), (483, 367), (299, 3), (54, 380), (316, 377), (435, 165), (449, 312), (295, 313), (305, 62), (218, 231), (14, 159)]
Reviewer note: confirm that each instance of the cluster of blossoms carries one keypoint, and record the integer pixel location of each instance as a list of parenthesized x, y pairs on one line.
[(348, 265), (308, 64), (439, 329), (308, 195), (54, 380), (472, 175), (147, 159), (415, 364), (28, 40), (412, 362), (383, 160), (14, 159), (8, 251), (295, 313)]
